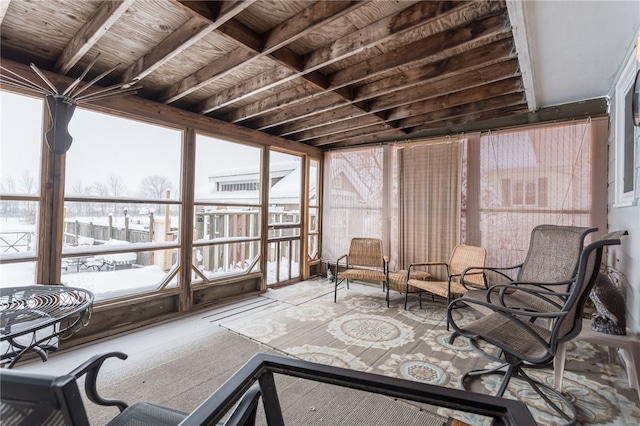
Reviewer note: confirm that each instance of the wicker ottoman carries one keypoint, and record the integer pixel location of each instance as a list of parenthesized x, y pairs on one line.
[(398, 282)]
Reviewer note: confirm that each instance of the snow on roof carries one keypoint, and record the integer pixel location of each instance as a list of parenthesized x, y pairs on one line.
[(284, 191)]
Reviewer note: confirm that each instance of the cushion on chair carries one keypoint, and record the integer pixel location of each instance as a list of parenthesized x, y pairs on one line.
[(362, 274)]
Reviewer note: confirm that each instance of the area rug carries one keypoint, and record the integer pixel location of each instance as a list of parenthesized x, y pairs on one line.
[(361, 333)]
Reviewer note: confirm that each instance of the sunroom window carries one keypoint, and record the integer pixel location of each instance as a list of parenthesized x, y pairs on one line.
[(122, 206)]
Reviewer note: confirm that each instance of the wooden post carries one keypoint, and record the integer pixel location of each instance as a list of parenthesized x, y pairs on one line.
[(110, 231), (51, 213), (167, 232), (152, 257), (187, 216)]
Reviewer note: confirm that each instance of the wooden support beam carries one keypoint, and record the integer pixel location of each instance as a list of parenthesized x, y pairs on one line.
[(437, 45), (492, 29), (168, 115), (189, 33), (247, 39), (472, 59), (99, 23)]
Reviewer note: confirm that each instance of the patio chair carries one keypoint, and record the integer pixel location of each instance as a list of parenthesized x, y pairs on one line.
[(462, 258), (520, 341), (552, 257), (365, 261), (33, 399)]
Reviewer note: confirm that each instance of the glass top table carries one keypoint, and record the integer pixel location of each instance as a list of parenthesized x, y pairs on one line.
[(34, 318)]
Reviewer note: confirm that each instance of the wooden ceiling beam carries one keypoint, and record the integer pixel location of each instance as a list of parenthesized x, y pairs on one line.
[(103, 18), (431, 16), (420, 119), (403, 57), (311, 18), (502, 87), (477, 57), (335, 128), (365, 138), (470, 118), (455, 83), (289, 97), (472, 59), (189, 33), (203, 22), (425, 121), (312, 62), (202, 77), (428, 90), (237, 32), (359, 133), (338, 127), (437, 45), (381, 31), (217, 12), (322, 125), (514, 116), (328, 118), (431, 87)]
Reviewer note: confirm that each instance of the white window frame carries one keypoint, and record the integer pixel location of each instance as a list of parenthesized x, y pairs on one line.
[(623, 86)]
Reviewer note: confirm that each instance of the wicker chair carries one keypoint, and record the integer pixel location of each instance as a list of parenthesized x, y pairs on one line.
[(552, 257), (365, 261), (462, 258), (521, 342)]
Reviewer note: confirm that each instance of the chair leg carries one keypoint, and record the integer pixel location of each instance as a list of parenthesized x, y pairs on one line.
[(514, 370), (558, 365), (387, 296)]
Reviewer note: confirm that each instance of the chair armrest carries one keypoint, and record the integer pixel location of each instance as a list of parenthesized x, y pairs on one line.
[(497, 270), (91, 367), (472, 286), (514, 312), (344, 256), (510, 289)]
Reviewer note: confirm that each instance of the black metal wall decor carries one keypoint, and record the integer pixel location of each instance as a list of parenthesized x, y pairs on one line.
[(61, 110), (61, 104)]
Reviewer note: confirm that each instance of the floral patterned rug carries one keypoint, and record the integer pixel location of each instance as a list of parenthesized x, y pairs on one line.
[(361, 333)]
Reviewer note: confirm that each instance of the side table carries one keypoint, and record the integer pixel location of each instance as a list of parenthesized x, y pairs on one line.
[(629, 343)]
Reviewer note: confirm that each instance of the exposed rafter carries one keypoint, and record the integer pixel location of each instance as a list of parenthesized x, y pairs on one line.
[(325, 73)]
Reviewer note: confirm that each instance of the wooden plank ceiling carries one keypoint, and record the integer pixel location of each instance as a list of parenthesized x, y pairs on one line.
[(323, 73)]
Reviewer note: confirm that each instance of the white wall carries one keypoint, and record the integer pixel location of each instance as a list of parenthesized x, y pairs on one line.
[(625, 215)]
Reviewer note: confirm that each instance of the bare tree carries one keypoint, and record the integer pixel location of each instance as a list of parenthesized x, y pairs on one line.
[(100, 189), (116, 185), (155, 187), (8, 185), (78, 188), (27, 183)]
